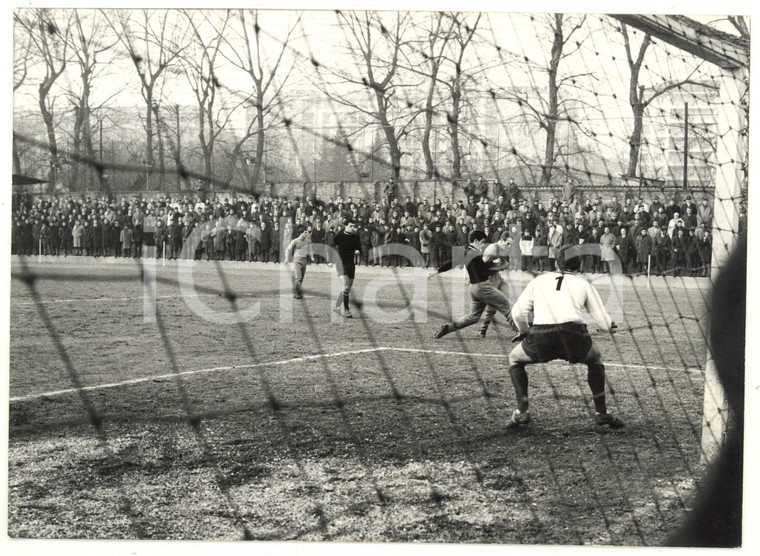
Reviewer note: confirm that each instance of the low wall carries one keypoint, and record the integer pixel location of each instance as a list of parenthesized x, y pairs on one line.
[(431, 190)]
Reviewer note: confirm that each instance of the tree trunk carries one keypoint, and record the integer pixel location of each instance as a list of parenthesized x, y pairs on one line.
[(553, 108), (634, 150), (47, 117), (148, 134), (260, 138), (429, 162), (161, 154), (456, 151)]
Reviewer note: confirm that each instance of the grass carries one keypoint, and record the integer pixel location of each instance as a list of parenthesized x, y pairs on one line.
[(293, 427)]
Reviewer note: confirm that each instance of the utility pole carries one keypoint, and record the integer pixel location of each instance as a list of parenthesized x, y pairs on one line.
[(178, 159), (100, 155), (685, 145), (113, 165)]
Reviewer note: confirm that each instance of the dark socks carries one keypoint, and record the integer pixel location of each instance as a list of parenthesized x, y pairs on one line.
[(596, 383), (520, 382)]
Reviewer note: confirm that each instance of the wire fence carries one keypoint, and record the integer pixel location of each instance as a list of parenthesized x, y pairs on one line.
[(418, 423)]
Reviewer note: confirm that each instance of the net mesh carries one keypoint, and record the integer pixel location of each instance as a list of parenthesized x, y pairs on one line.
[(176, 370)]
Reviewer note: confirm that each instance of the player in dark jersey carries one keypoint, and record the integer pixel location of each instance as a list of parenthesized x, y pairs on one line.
[(483, 294), (348, 245), (558, 303)]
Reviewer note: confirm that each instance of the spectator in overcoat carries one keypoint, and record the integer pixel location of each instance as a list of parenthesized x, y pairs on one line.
[(556, 234), (678, 252), (626, 250), (644, 247), (662, 252), (705, 252), (693, 261), (607, 247)]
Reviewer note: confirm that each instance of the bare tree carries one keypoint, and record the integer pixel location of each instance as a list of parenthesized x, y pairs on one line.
[(377, 50), (268, 74), (150, 38), (436, 42), (740, 24), (199, 61), (22, 59), (89, 40), (48, 31), (546, 108), (457, 86), (640, 97)]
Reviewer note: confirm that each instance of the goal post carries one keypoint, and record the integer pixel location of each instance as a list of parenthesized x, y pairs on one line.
[(731, 157), (732, 56)]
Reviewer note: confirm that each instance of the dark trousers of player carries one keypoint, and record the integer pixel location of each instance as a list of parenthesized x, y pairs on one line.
[(299, 271), (490, 312), (568, 341), (483, 295)]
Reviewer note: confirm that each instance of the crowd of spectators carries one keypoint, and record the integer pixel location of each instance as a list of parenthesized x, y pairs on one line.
[(664, 237)]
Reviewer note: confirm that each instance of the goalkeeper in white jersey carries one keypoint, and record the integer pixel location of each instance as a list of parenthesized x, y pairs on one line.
[(560, 303)]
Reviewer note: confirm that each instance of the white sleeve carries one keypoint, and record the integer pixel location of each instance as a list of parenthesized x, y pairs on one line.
[(522, 308), (490, 253), (596, 309)]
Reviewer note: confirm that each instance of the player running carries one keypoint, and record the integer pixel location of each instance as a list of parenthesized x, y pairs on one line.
[(297, 252), (497, 253), (348, 246), (558, 302), (483, 293)]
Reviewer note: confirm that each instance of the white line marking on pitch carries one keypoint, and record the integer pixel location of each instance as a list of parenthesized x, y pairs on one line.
[(281, 362), (195, 372), (466, 354)]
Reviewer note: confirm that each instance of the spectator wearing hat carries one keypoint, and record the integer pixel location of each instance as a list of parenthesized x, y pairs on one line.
[(97, 238), (704, 213), (655, 206), (644, 247), (607, 249), (125, 237), (65, 238), (688, 203), (159, 238), (555, 236), (541, 248), (705, 252), (626, 250), (175, 230), (678, 250), (115, 239), (693, 260), (275, 243), (661, 217), (662, 252)]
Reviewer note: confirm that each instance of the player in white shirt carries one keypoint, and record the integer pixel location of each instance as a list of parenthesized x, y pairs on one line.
[(298, 252), (497, 253), (560, 304)]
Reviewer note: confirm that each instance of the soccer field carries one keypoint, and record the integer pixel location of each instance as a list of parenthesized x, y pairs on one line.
[(130, 420)]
